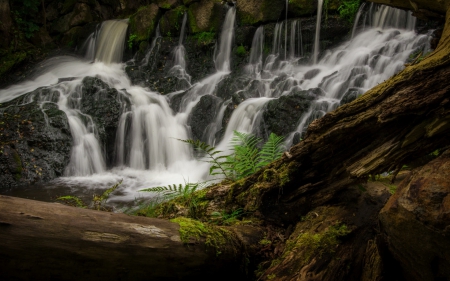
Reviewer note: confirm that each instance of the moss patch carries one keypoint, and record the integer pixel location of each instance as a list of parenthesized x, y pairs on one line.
[(192, 231)]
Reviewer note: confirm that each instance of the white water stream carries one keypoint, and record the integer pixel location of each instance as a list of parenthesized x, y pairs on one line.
[(147, 151)]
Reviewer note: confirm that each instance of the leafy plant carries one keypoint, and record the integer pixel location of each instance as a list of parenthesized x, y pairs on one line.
[(99, 201), (72, 201), (172, 191), (131, 39), (224, 218), (205, 38), (23, 12), (348, 9), (240, 51)]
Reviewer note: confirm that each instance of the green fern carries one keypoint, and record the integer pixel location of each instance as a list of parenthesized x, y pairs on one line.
[(219, 163), (244, 161), (72, 201), (172, 191), (271, 150)]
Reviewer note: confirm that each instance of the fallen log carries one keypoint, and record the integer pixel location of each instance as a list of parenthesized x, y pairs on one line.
[(50, 241)]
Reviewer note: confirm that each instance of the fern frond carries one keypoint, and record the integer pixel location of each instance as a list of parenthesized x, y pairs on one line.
[(106, 194), (245, 161), (218, 166), (271, 150)]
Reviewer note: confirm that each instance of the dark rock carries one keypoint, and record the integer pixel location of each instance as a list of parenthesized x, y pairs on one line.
[(351, 95), (415, 222), (35, 140), (281, 116), (202, 115), (105, 105)]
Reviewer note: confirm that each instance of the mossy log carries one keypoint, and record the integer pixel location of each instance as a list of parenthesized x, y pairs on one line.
[(403, 119), (50, 241)]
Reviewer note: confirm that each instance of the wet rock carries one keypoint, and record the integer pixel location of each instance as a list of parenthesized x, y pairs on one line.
[(206, 16), (202, 115), (281, 116), (35, 141), (143, 22), (415, 223), (311, 74), (255, 11), (351, 95), (172, 21), (105, 105)]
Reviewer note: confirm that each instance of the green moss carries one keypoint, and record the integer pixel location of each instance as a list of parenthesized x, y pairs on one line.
[(18, 162), (193, 231), (319, 243)]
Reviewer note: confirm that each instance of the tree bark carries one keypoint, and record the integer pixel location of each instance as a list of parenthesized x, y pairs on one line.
[(50, 241), (403, 119)]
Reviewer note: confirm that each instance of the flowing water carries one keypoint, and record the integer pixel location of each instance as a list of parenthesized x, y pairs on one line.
[(147, 152)]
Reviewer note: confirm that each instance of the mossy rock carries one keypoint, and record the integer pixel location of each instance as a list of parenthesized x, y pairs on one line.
[(256, 11), (205, 16), (167, 4), (300, 8), (143, 23), (172, 21)]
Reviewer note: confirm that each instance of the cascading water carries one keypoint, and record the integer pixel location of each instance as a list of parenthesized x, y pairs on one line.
[(179, 68), (147, 152), (318, 25)]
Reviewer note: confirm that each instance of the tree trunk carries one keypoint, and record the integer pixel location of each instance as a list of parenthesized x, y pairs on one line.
[(50, 241), (403, 119)]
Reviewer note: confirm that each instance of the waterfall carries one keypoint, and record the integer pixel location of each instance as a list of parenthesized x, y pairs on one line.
[(256, 52), (152, 46), (358, 15), (318, 25), (111, 41), (147, 152), (226, 39), (292, 41), (179, 68)]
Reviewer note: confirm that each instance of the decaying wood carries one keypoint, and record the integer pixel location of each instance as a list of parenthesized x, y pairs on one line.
[(398, 121), (50, 241)]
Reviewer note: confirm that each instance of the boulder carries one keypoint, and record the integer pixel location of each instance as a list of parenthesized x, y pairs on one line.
[(143, 22), (167, 4), (202, 115), (105, 105), (171, 22), (415, 223), (35, 140), (299, 8), (206, 16), (281, 115), (252, 12)]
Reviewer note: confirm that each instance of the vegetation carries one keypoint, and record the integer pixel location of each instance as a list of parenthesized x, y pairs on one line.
[(240, 51), (205, 38), (98, 202), (23, 12), (246, 158), (131, 39), (348, 9)]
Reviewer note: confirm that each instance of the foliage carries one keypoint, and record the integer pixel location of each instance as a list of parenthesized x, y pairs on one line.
[(23, 12), (348, 9), (72, 201), (246, 158), (98, 202), (224, 218), (240, 51), (205, 38), (172, 191), (131, 39)]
